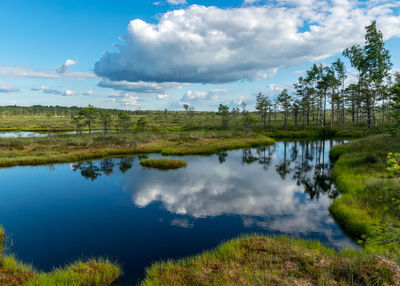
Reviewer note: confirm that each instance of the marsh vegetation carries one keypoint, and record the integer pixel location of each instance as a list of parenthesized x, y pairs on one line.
[(163, 164), (291, 194)]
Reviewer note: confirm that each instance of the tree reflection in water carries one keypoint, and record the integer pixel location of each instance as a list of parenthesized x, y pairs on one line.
[(307, 162), (94, 169), (125, 164), (222, 157)]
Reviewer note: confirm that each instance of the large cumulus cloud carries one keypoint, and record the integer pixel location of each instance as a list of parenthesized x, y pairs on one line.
[(212, 45)]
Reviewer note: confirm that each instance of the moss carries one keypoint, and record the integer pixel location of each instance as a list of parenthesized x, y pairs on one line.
[(163, 164), (260, 260), (367, 210)]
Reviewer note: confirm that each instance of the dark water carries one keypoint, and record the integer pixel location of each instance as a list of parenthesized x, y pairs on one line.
[(114, 208)]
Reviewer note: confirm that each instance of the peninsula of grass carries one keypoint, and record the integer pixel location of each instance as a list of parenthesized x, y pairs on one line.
[(71, 148), (318, 133), (94, 272), (369, 207), (163, 164), (260, 260)]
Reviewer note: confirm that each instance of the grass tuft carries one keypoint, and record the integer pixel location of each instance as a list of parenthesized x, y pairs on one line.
[(95, 272), (163, 164), (260, 260)]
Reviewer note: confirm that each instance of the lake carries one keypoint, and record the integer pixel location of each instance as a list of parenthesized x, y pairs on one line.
[(114, 208)]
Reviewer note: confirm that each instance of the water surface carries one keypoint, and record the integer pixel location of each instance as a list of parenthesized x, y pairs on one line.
[(114, 208), (27, 134)]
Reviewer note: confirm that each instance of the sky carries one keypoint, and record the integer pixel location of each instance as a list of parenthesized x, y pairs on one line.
[(161, 54)]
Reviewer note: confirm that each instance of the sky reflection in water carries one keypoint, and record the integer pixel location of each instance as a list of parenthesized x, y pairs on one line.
[(114, 208)]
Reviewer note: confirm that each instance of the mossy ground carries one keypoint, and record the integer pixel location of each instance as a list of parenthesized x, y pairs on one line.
[(260, 260), (163, 164), (94, 272), (368, 208), (70, 148)]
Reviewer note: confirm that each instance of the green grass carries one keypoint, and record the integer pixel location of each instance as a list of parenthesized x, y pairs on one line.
[(71, 148), (367, 209), (163, 164), (260, 260), (318, 133), (94, 272), (176, 121)]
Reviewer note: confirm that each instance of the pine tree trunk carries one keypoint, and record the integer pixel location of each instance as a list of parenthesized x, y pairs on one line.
[(332, 110)]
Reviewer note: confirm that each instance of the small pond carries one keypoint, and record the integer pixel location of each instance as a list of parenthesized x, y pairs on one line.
[(114, 208), (26, 134)]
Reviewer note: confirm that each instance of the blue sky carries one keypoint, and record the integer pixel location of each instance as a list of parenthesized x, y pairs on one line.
[(198, 52)]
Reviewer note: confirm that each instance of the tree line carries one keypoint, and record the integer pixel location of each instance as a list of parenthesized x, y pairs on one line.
[(90, 115), (372, 91)]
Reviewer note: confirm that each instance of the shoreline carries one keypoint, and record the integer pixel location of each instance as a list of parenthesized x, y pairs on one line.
[(41, 151)]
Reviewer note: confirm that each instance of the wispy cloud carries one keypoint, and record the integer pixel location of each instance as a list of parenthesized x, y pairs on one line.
[(47, 90), (139, 87), (162, 96), (27, 72), (8, 87), (176, 2), (126, 100), (65, 66), (89, 92), (201, 95)]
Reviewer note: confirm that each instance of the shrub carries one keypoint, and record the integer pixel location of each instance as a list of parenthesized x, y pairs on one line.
[(394, 164)]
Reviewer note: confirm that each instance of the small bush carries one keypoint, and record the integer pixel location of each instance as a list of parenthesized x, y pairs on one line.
[(394, 164)]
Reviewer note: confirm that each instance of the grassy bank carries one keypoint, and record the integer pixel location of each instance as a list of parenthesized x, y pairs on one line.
[(368, 208), (69, 148), (94, 272), (163, 164), (317, 133), (260, 260)]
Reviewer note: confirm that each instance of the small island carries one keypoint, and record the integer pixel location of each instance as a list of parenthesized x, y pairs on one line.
[(163, 164)]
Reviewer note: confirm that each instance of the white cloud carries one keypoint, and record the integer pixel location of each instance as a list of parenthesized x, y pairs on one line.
[(182, 222), (139, 87), (27, 72), (68, 92), (213, 45), (250, 2), (65, 66), (239, 101), (162, 96), (176, 2), (89, 92), (201, 95), (125, 99), (47, 90), (7, 87)]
